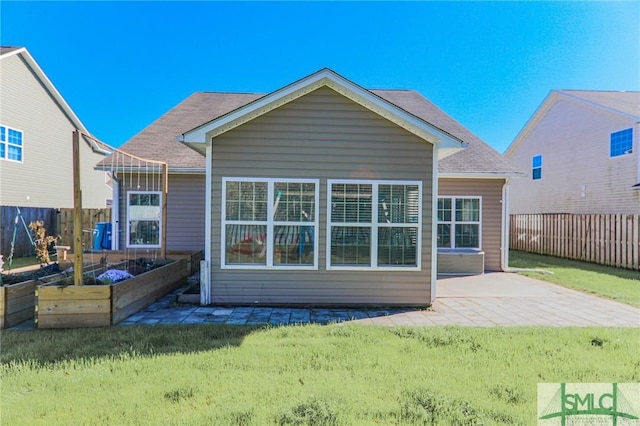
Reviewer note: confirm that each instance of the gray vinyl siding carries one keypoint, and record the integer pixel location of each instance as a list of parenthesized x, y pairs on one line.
[(185, 208), (321, 136), (491, 192), (45, 176)]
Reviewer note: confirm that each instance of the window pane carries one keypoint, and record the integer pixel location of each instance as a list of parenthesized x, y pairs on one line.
[(3, 134), (351, 203), (294, 202), (350, 245), (398, 203), (536, 174), (2, 150), (246, 244), (144, 232), (144, 206), (467, 235), (444, 209), (536, 161), (15, 137), (293, 245), (14, 153), (252, 201), (444, 235), (467, 210), (397, 246)]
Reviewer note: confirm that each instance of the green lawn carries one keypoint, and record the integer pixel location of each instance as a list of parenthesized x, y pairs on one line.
[(618, 284), (293, 375), (19, 262)]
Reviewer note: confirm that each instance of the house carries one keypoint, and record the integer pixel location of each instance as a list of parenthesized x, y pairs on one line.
[(581, 151), (323, 192), (36, 126)]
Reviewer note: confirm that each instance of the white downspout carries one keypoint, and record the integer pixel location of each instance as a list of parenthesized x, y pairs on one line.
[(434, 224), (205, 273), (504, 249), (115, 211)]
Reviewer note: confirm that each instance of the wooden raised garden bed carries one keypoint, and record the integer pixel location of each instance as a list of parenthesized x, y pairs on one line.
[(17, 301), (69, 306)]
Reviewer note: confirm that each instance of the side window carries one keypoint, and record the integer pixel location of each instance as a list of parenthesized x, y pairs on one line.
[(11, 144), (621, 143), (536, 167)]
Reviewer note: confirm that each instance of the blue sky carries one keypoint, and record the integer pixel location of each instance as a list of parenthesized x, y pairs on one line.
[(120, 65)]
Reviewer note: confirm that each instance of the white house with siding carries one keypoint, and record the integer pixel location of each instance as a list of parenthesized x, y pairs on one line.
[(581, 151), (36, 126), (323, 192)]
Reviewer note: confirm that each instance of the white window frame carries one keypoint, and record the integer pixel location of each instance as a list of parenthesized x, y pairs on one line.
[(269, 223), (453, 222), (159, 219), (629, 151), (7, 144), (375, 225)]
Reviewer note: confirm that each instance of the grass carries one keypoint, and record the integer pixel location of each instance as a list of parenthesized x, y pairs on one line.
[(19, 262), (295, 375), (618, 284)]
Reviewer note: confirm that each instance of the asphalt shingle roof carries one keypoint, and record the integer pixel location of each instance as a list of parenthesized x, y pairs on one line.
[(158, 140)]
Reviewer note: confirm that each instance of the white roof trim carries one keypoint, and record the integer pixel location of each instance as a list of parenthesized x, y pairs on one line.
[(598, 105), (328, 78)]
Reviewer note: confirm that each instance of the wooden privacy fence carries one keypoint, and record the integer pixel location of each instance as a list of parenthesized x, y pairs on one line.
[(58, 223), (607, 239)]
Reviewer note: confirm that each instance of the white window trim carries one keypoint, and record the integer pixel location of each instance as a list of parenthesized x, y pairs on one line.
[(270, 223), (624, 154), (6, 144), (374, 226), (453, 222), (128, 236)]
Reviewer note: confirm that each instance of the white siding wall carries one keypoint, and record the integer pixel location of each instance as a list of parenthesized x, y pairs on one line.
[(46, 175), (322, 136), (574, 141)]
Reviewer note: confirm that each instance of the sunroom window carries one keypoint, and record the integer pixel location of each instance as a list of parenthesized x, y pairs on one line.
[(270, 223), (144, 213), (459, 222), (621, 143), (374, 225)]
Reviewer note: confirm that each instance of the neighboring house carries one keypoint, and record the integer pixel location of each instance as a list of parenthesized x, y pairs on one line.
[(36, 126), (581, 151), (323, 192)]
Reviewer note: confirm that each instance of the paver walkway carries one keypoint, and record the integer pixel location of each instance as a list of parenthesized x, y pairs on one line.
[(485, 300)]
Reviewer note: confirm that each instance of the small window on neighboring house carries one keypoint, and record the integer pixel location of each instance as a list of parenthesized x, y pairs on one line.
[(536, 167), (621, 143), (10, 144)]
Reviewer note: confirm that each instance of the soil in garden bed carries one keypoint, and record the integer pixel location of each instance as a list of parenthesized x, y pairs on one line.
[(134, 267)]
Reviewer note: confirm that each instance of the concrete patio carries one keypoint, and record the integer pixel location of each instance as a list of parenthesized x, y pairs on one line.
[(502, 299)]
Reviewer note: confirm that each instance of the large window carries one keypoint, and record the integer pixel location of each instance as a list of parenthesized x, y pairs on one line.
[(144, 213), (10, 144), (621, 143), (269, 223), (536, 167), (459, 222), (374, 225)]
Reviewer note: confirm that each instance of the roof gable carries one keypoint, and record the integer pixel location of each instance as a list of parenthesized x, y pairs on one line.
[(328, 78), (32, 65), (623, 103)]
